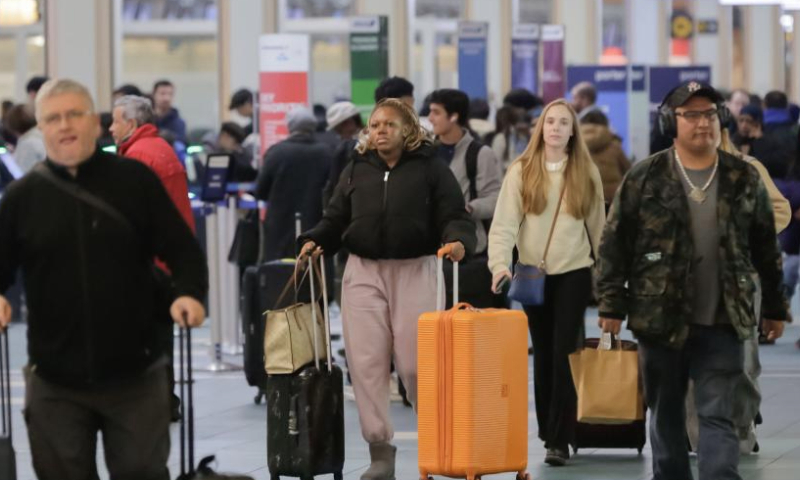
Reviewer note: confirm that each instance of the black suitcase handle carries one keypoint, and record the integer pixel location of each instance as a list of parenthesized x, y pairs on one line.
[(5, 385), (187, 401)]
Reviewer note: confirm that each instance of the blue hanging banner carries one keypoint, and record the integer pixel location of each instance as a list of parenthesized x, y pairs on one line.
[(611, 84), (525, 57), (472, 43), (663, 79)]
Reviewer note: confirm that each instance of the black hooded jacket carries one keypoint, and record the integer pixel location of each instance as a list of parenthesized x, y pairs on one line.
[(93, 300), (407, 211)]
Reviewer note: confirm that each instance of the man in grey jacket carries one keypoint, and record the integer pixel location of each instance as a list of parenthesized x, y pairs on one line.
[(450, 117), (480, 176)]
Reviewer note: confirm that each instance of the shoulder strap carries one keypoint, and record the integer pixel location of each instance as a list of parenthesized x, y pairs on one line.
[(543, 265), (81, 194), (473, 150)]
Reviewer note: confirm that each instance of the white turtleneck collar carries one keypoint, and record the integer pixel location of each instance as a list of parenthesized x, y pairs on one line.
[(557, 166)]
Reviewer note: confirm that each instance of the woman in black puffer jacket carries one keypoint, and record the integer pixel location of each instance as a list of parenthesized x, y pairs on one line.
[(395, 205)]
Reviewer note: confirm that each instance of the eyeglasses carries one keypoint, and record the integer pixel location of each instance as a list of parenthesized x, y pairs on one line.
[(70, 115), (695, 116)]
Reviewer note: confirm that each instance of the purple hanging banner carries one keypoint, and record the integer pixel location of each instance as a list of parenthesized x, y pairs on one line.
[(554, 79), (525, 57)]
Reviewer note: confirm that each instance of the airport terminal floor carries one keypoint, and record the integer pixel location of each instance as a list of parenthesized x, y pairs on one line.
[(231, 426)]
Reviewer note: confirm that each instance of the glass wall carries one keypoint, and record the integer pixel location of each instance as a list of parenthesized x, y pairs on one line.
[(330, 68), (614, 33), (296, 9), (535, 11), (146, 10), (328, 25), (435, 52), (21, 46), (174, 40), (681, 32), (445, 9)]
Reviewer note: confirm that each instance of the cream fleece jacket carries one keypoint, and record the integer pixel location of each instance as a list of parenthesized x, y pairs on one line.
[(570, 248)]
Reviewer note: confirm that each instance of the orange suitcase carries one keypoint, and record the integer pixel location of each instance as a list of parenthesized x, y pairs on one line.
[(472, 375)]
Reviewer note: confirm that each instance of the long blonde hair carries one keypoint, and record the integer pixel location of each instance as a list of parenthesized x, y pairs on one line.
[(726, 145), (580, 192), (414, 136)]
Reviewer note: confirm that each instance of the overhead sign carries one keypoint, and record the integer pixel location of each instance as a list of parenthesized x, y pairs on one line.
[(708, 27), (682, 25), (611, 84), (472, 44), (554, 79), (369, 60), (283, 83), (525, 57)]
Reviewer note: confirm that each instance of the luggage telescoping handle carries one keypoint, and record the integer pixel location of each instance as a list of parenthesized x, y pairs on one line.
[(187, 400), (298, 225), (5, 385), (325, 313), (440, 278)]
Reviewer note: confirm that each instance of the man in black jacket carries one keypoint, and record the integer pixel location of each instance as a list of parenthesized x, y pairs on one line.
[(84, 228), (291, 180)]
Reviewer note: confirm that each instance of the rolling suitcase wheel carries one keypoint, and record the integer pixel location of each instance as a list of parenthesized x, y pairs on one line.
[(338, 476)]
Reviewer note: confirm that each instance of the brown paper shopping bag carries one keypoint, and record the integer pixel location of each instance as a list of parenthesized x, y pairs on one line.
[(607, 384)]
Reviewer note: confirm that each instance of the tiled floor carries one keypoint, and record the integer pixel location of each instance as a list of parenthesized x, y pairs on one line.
[(231, 426)]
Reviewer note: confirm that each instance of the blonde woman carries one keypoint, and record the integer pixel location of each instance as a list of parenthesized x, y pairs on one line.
[(396, 203), (555, 163)]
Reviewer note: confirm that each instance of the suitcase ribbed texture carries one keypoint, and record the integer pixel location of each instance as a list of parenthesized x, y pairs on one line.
[(473, 392)]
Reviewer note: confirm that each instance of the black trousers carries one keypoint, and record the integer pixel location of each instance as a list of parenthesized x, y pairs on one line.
[(557, 329), (133, 417)]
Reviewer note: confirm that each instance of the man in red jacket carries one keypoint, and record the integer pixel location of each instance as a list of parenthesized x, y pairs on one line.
[(137, 138)]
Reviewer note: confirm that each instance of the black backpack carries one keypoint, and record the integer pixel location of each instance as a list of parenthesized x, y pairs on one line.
[(473, 150)]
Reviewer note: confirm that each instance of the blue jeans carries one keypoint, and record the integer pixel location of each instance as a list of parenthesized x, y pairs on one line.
[(713, 358), (791, 273)]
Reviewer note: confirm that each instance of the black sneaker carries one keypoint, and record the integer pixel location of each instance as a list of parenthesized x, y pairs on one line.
[(556, 457)]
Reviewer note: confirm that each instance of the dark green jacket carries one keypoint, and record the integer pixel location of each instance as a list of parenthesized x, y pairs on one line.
[(644, 269)]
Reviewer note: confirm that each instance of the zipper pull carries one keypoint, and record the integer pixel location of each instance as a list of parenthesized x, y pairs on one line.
[(386, 176)]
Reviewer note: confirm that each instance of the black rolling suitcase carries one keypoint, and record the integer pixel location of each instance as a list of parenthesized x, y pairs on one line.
[(253, 326), (8, 465), (305, 416), (261, 287), (187, 468), (628, 435)]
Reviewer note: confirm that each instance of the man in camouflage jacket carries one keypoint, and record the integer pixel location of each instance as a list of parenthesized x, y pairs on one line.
[(689, 234)]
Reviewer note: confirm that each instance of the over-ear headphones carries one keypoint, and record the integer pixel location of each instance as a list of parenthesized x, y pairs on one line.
[(669, 125)]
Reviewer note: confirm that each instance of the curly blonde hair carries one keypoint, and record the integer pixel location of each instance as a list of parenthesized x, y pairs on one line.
[(413, 134)]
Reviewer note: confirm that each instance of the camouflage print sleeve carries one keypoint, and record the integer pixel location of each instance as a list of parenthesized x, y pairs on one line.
[(616, 247), (766, 256)]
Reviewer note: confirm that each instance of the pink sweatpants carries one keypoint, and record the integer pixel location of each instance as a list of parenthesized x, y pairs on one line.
[(381, 302)]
